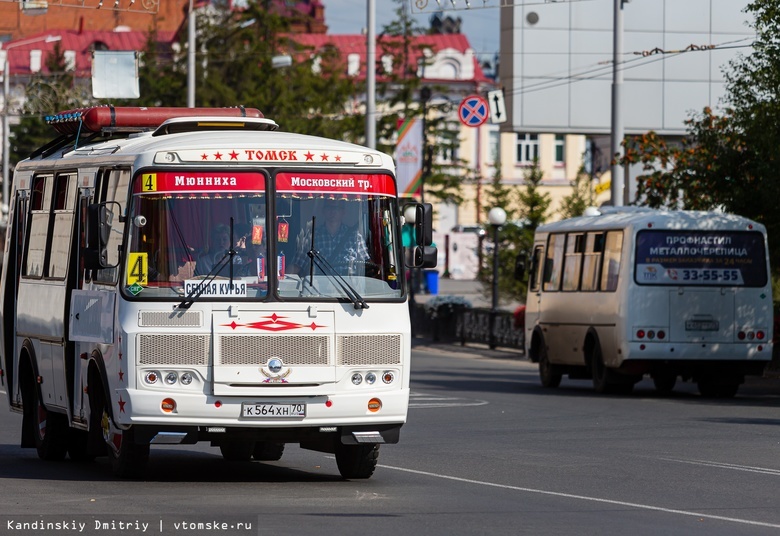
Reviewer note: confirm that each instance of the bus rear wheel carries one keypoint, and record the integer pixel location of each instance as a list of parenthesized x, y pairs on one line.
[(606, 380), (237, 451), (357, 461), (549, 374), (711, 389), (51, 431), (268, 451), (664, 382)]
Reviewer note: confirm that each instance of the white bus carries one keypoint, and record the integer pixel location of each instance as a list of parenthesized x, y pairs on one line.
[(624, 292), (171, 276)]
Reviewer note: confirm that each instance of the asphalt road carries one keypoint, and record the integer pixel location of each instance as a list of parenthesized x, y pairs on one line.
[(486, 451)]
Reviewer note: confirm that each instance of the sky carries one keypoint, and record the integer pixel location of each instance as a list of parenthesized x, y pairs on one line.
[(480, 25)]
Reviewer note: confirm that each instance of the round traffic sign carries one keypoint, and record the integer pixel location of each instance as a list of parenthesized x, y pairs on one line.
[(473, 111)]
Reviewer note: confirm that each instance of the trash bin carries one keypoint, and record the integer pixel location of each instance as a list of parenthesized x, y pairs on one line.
[(432, 281)]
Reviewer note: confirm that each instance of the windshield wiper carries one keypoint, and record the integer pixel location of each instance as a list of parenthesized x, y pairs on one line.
[(190, 298), (316, 258)]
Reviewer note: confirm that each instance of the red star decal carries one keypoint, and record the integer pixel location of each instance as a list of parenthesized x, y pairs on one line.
[(324, 157), (338, 158), (204, 156), (309, 156), (121, 376), (120, 356), (274, 323), (234, 155), (217, 156), (121, 404)]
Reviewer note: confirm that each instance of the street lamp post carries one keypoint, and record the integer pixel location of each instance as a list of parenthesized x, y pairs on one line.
[(497, 218), (6, 128)]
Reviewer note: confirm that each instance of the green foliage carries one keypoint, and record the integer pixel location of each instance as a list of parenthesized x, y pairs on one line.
[(45, 95), (401, 90), (516, 237), (580, 198), (727, 160)]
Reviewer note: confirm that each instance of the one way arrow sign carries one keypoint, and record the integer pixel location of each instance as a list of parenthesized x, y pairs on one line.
[(497, 109)]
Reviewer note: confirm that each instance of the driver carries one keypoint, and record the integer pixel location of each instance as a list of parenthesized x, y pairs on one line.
[(339, 244)]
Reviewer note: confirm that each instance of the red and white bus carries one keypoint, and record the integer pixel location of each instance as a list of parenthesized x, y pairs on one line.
[(170, 276)]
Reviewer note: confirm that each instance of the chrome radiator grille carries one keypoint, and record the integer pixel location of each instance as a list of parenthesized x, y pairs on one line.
[(163, 349), (311, 350), (353, 350)]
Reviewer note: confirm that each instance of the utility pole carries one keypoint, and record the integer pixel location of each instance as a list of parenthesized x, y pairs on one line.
[(617, 183), (191, 57), (371, 75)]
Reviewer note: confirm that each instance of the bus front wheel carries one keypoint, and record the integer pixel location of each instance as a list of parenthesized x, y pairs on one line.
[(357, 461)]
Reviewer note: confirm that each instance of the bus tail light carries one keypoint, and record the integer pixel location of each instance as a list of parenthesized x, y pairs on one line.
[(750, 335), (650, 334)]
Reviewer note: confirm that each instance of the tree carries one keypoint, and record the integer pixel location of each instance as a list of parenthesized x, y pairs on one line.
[(727, 160), (45, 94), (516, 236), (580, 198), (403, 95)]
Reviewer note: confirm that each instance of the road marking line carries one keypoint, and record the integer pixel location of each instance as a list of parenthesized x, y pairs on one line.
[(747, 468), (586, 498)]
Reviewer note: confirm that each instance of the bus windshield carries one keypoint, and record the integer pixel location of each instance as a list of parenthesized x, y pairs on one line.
[(218, 237), (714, 258)]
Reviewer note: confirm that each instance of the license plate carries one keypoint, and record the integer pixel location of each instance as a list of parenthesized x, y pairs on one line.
[(701, 325), (282, 411)]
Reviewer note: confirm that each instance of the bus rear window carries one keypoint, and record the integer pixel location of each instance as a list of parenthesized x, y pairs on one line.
[(701, 258)]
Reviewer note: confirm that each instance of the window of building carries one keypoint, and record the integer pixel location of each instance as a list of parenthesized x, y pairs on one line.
[(560, 148), (527, 148)]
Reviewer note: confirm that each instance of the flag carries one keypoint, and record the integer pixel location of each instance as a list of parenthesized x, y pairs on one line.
[(408, 157)]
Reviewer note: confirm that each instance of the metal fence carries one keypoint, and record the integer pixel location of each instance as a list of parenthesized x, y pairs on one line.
[(467, 325)]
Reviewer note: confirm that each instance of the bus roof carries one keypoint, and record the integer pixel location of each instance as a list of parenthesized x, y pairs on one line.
[(211, 141), (606, 218)]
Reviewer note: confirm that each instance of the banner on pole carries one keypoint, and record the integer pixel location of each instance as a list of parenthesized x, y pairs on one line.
[(408, 157)]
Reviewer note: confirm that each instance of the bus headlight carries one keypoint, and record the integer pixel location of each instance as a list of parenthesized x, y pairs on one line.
[(186, 378), (171, 378), (357, 379), (370, 378)]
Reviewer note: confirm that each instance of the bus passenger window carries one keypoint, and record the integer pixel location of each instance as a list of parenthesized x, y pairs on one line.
[(554, 262), (572, 262), (591, 265), (536, 269), (612, 251)]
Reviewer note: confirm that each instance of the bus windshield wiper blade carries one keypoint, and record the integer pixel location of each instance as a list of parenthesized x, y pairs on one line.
[(327, 269), (190, 298)]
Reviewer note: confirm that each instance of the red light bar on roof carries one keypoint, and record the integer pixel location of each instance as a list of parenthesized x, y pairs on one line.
[(96, 118)]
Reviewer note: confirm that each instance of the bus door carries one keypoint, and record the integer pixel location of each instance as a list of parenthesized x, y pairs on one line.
[(533, 304), (9, 283)]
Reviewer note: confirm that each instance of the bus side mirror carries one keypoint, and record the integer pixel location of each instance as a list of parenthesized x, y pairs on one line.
[(423, 224), (519, 267), (100, 218), (430, 257)]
